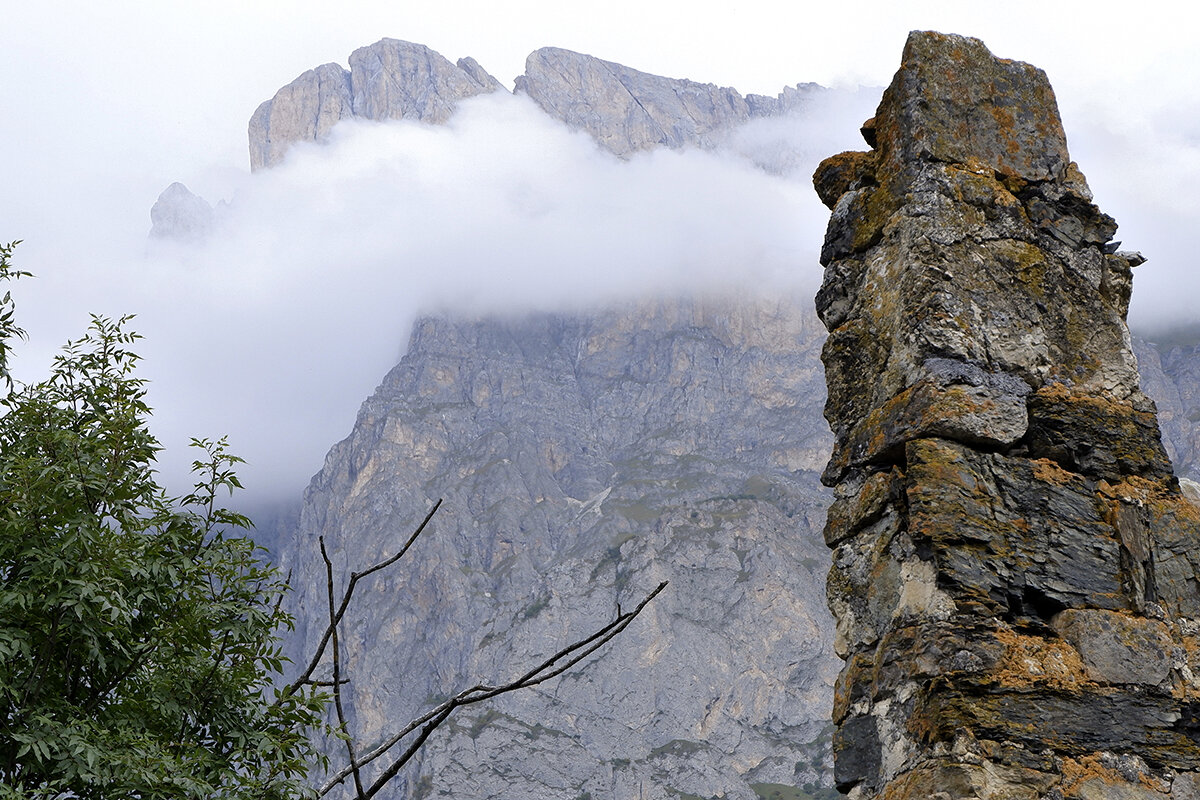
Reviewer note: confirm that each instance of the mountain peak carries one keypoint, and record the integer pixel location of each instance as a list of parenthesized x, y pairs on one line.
[(623, 109), (391, 79)]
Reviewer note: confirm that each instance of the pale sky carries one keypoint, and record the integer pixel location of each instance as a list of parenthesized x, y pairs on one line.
[(103, 104)]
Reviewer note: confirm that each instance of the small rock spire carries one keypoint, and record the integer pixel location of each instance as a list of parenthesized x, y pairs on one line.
[(1016, 576)]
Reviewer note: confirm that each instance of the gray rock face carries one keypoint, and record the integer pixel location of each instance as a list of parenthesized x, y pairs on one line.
[(390, 79), (583, 459), (623, 109), (180, 214), (586, 457), (1015, 566), (626, 110), (1171, 375), (573, 452), (303, 111)]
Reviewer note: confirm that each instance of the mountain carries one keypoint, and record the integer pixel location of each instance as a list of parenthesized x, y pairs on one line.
[(623, 109), (584, 457), (1170, 373), (180, 214), (390, 79), (626, 111)]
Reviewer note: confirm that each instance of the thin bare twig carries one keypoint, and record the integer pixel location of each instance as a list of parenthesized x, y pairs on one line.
[(337, 673), (553, 666)]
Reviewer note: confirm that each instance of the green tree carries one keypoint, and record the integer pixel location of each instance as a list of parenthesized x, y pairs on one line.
[(138, 633)]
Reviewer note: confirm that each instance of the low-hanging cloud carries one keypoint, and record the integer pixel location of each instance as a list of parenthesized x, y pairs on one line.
[(1143, 166), (276, 327)]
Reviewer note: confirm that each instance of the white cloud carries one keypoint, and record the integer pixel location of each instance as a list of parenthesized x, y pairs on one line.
[(276, 328)]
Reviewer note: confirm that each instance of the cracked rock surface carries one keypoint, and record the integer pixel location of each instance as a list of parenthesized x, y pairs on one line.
[(1015, 582)]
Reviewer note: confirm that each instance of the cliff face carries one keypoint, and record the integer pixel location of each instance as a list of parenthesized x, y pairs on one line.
[(1171, 376), (623, 109), (179, 214), (583, 459), (390, 79), (1015, 573), (626, 110)]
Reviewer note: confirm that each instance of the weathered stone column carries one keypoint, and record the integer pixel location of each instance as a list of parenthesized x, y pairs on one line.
[(1015, 572)]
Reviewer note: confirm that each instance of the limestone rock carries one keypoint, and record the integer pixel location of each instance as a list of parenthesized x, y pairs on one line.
[(623, 109), (179, 214), (390, 79), (1170, 370), (583, 459), (585, 456), (1014, 579), (303, 111), (478, 74), (626, 110)]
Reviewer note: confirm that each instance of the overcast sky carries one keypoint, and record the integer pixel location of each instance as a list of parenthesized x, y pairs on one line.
[(302, 307)]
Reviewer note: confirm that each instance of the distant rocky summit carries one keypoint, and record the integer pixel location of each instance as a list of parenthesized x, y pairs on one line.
[(626, 110), (390, 79), (623, 109), (1016, 574), (181, 215)]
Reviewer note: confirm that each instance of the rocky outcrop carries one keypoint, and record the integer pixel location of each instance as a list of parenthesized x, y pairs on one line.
[(1015, 572), (179, 214), (583, 459), (623, 109), (400, 80), (626, 110), (586, 456), (303, 111), (390, 79)]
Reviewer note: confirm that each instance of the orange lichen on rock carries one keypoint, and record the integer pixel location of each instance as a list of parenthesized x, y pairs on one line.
[(1037, 661)]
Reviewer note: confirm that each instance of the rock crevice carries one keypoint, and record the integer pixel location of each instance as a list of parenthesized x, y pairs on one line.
[(1013, 579)]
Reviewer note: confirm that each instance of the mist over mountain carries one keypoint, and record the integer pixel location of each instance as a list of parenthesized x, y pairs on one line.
[(498, 208)]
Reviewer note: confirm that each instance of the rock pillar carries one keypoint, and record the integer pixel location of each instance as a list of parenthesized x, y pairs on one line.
[(1015, 572)]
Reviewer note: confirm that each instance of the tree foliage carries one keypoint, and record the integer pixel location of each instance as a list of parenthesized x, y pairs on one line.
[(138, 633)]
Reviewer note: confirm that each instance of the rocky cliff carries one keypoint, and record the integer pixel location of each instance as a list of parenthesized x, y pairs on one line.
[(1170, 371), (626, 110), (583, 459), (623, 109), (1015, 571), (390, 79)]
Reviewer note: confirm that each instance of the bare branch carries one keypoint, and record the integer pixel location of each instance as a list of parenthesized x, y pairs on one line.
[(553, 666), (305, 676), (337, 673)]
